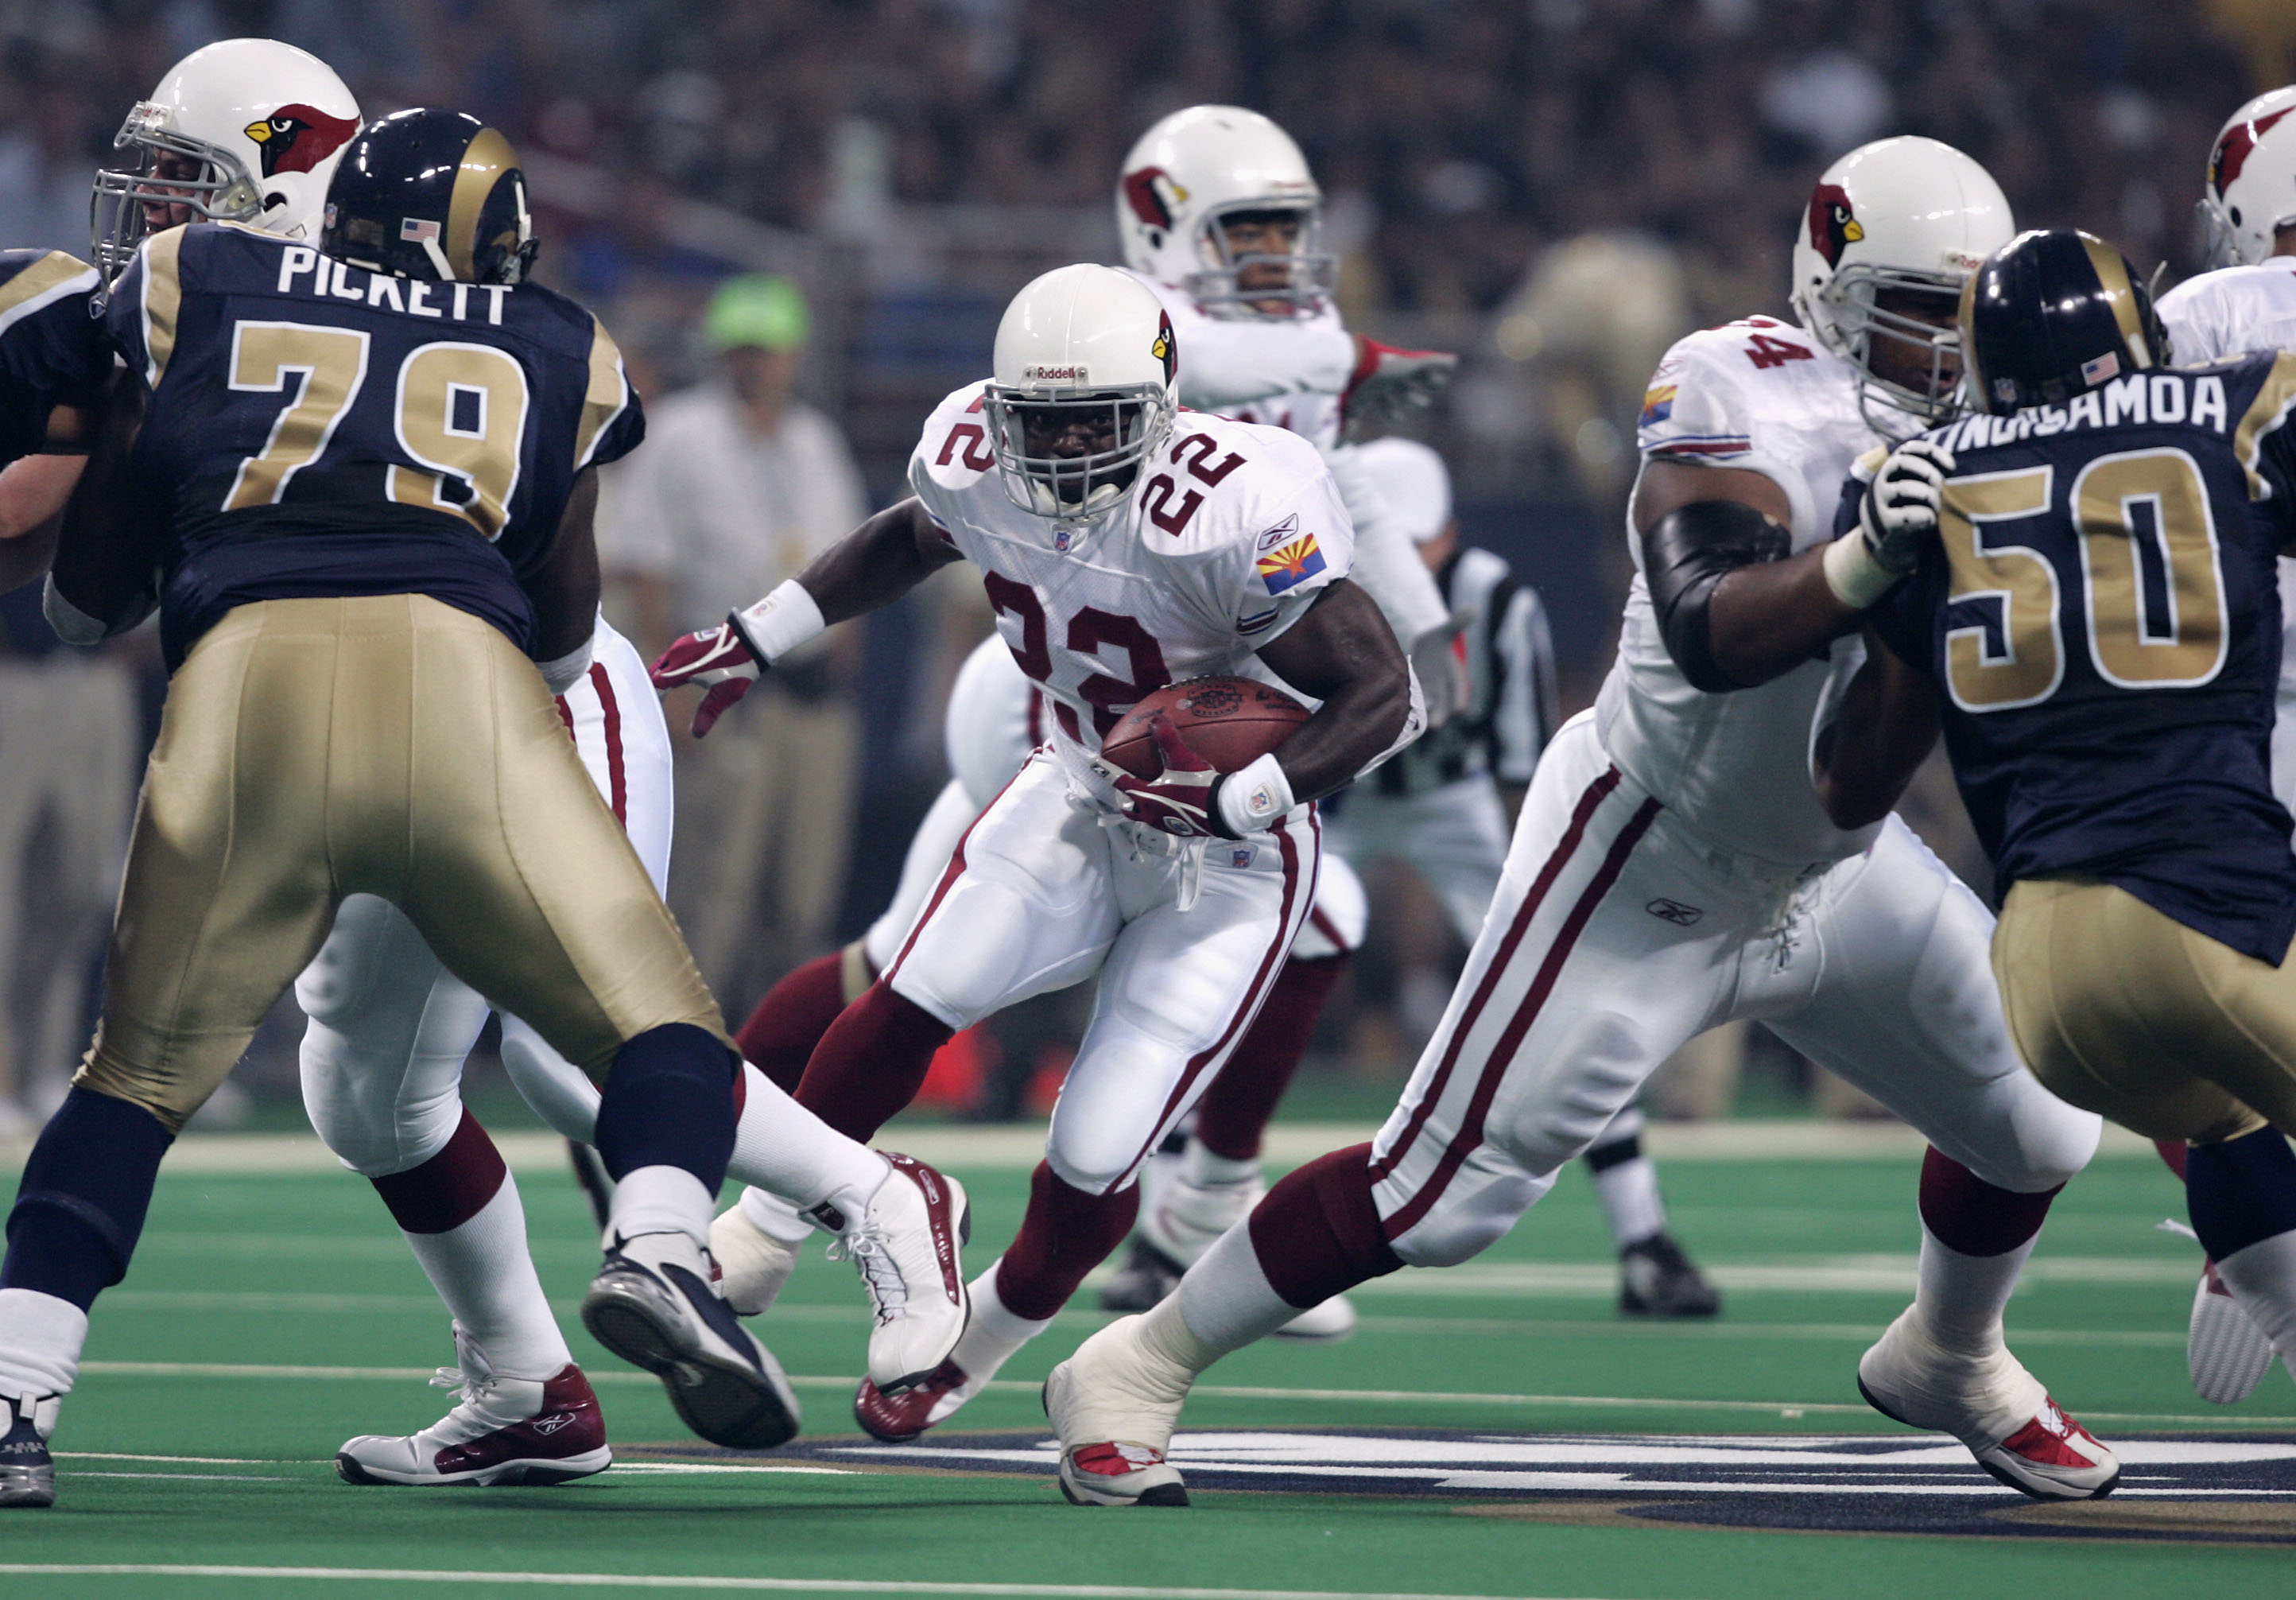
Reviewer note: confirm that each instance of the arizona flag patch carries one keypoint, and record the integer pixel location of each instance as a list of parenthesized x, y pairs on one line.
[(1658, 404), (1288, 565)]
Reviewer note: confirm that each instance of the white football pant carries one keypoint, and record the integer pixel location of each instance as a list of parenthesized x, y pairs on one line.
[(1041, 893), (1618, 936)]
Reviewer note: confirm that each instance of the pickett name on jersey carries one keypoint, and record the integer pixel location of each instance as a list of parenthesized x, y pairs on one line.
[(325, 278)]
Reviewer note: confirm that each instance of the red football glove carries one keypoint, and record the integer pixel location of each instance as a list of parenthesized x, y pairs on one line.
[(718, 657), (1181, 799), (1387, 382)]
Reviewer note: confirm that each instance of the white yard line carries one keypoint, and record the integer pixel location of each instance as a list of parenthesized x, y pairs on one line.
[(783, 1586)]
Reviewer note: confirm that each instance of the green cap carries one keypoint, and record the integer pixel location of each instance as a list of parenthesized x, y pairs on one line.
[(757, 308)]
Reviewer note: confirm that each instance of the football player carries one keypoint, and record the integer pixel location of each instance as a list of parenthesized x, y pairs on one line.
[(1673, 869), (2246, 304), (1122, 548), (55, 365), (355, 483), (1439, 808), (2097, 627)]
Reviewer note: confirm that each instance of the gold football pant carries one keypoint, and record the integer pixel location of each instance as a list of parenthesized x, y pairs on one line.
[(2126, 1012), (395, 745)]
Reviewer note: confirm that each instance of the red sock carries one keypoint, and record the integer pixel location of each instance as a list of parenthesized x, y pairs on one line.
[(1065, 1235), (870, 1063), (781, 1034), (451, 1187), (1318, 1234), (2174, 1151), (1970, 1215), (1235, 1111)]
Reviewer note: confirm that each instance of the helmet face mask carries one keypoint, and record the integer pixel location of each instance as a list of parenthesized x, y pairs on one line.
[(1882, 342), (1204, 171), (171, 171), (1294, 281), (1075, 458)]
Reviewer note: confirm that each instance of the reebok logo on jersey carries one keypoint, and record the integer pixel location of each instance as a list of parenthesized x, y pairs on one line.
[(1675, 912), (1282, 533), (1290, 565)]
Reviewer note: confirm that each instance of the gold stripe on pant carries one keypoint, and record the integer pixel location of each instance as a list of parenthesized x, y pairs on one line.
[(2122, 1010), (312, 749)]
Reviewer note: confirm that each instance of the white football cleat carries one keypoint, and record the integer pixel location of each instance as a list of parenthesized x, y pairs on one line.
[(506, 1430), (28, 1472), (752, 1266), (1113, 1405), (1993, 1405), (653, 1305), (907, 1244), (2226, 1352)]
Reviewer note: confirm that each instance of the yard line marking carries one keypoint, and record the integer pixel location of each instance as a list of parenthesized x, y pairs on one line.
[(802, 1586), (1227, 1391), (194, 1460), (193, 1477)]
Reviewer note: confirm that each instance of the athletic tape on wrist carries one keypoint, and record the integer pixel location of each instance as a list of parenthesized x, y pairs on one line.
[(1856, 579), (1253, 797), (780, 622)]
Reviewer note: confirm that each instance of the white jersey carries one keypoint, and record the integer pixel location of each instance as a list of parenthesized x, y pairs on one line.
[(1759, 396), (1234, 532), (1291, 373)]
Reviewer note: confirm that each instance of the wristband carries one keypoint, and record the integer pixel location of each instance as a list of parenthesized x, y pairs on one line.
[(567, 670), (1251, 798), (779, 623), (1851, 572)]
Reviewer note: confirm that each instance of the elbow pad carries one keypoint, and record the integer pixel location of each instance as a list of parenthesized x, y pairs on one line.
[(1685, 553)]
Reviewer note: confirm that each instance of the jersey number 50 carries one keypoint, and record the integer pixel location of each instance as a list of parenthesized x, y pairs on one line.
[(458, 409), (2150, 580)]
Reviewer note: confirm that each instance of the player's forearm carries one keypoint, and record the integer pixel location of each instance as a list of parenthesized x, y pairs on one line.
[(876, 563), (109, 542), (1343, 653), (1766, 620), (1884, 729)]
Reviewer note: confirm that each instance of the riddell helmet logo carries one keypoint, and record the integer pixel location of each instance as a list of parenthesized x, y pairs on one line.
[(1832, 224), (296, 138), (1073, 372), (2232, 152), (1166, 349), (1151, 194)]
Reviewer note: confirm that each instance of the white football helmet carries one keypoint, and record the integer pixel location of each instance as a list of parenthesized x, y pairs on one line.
[(2252, 186), (1082, 350), (244, 130), (1900, 214), (1198, 165)]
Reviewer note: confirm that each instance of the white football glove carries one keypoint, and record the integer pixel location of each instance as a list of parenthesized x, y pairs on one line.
[(1442, 669), (1896, 517)]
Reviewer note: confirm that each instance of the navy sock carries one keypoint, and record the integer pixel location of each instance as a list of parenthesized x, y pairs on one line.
[(79, 1208), (2240, 1191), (669, 1101)]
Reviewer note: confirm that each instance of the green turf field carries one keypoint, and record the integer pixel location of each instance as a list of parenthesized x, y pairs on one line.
[(268, 1316)]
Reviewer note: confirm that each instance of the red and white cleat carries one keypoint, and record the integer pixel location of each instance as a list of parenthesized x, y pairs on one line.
[(908, 1243), (899, 1417), (1114, 1404), (506, 1430), (1993, 1405), (2226, 1352)]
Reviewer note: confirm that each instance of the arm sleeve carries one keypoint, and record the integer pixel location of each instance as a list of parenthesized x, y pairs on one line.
[(1524, 708), (1387, 564)]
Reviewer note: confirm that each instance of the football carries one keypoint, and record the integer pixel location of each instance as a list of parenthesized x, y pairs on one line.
[(1230, 722)]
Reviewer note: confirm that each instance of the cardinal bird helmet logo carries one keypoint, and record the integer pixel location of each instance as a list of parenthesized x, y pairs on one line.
[(1832, 224)]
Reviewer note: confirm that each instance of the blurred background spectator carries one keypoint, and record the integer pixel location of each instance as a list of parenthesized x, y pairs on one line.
[(1554, 188)]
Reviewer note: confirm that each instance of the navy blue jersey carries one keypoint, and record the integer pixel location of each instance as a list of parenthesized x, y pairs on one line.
[(52, 351), (318, 430), (2102, 619)]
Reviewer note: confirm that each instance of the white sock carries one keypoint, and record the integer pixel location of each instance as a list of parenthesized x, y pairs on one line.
[(1204, 1168), (995, 1335), (483, 1273), (781, 1146), (41, 1337), (662, 1200), (1226, 1298), (2262, 1277), (1628, 1192), (774, 1217), (1960, 1298)]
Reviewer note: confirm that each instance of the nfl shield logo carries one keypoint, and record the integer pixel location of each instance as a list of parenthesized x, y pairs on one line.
[(1060, 540), (1241, 856)]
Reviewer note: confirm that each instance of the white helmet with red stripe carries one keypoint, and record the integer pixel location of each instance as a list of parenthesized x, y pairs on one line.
[(2252, 186), (244, 130), (1897, 217), (1210, 162)]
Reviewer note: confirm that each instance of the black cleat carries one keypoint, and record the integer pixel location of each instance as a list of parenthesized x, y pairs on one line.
[(1656, 1279)]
